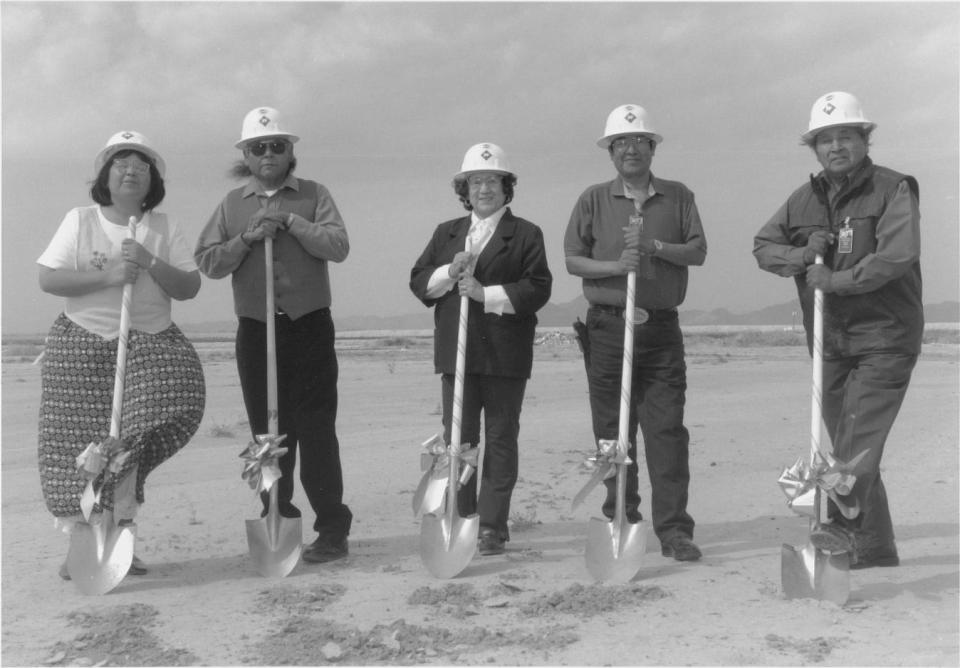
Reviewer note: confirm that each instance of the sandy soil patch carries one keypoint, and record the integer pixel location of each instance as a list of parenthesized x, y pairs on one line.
[(204, 604)]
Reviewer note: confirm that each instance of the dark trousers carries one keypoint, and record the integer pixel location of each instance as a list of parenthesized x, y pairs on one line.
[(657, 399), (500, 399), (307, 374), (861, 398)]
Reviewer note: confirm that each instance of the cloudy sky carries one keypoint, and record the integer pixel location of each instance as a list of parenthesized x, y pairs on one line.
[(387, 97)]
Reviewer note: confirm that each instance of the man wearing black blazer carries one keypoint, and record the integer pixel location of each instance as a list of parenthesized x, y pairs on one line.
[(497, 260)]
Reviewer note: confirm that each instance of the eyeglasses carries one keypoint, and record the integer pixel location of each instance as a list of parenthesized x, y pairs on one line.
[(138, 167), (477, 182), (260, 148), (621, 143)]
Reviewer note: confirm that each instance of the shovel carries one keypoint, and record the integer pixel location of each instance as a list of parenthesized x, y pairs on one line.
[(448, 541), (274, 541), (809, 572), (615, 549), (100, 554)]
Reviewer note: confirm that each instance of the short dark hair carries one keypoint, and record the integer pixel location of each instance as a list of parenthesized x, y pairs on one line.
[(100, 190), (508, 181)]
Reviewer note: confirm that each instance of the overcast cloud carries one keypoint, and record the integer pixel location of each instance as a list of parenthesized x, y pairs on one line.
[(386, 97)]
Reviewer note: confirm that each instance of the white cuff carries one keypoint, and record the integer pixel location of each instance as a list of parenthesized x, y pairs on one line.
[(495, 300)]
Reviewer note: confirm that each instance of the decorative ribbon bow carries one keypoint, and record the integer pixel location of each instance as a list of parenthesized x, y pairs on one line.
[(261, 457), (435, 454), (800, 482), (609, 455), (104, 458)]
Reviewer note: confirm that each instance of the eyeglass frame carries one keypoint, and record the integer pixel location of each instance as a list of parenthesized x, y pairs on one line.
[(276, 146), (122, 165), (621, 143)]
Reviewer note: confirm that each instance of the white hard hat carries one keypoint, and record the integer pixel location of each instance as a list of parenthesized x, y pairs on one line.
[(485, 157), (832, 109), (627, 119), (263, 122), (128, 139)]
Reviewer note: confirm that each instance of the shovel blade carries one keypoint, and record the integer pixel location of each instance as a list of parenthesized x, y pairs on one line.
[(100, 556), (430, 494), (806, 572), (615, 554), (448, 543), (275, 543)]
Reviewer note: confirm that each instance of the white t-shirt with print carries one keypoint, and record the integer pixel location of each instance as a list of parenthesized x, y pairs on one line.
[(87, 241)]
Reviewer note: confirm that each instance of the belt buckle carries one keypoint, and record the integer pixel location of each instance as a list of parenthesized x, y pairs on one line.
[(640, 315)]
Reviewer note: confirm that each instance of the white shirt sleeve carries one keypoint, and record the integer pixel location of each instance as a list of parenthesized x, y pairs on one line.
[(495, 300), (440, 282), (61, 252)]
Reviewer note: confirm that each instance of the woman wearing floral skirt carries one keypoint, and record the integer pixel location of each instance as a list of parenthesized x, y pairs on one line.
[(88, 262)]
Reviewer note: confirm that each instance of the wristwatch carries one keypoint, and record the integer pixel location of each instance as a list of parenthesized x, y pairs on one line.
[(658, 245)]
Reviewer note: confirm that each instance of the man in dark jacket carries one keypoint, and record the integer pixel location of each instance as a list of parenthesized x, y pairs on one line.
[(497, 260), (865, 221)]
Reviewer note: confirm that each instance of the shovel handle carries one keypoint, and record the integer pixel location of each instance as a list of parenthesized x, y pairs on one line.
[(125, 306), (456, 420), (272, 417), (816, 400)]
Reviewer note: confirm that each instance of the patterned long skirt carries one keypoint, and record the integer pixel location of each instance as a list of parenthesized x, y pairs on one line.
[(163, 402)]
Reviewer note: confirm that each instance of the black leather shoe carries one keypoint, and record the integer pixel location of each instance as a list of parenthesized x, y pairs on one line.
[(680, 547), (137, 567), (490, 543), (323, 549)]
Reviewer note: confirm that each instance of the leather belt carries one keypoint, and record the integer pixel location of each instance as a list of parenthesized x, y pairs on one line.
[(641, 315)]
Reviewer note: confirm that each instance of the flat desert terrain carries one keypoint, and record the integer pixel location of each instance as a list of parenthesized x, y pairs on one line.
[(203, 603)]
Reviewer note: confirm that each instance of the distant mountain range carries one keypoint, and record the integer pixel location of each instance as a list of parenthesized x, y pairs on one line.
[(562, 315)]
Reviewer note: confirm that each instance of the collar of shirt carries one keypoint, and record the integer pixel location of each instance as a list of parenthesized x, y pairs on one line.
[(481, 229), (636, 194), (253, 186)]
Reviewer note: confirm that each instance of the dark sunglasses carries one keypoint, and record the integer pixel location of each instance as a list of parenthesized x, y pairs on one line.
[(276, 147)]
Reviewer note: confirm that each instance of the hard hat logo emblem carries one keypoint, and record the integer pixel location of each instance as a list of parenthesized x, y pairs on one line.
[(486, 155), (127, 135), (829, 109), (630, 117), (264, 121)]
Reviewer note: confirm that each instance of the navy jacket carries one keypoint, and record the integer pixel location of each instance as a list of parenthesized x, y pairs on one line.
[(497, 345)]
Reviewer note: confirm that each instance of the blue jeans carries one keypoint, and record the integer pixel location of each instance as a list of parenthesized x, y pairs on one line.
[(307, 373), (658, 395)]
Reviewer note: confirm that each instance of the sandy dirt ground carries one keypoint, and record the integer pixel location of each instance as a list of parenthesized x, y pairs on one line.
[(203, 602)]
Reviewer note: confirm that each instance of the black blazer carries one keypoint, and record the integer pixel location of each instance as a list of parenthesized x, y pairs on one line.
[(497, 345)]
